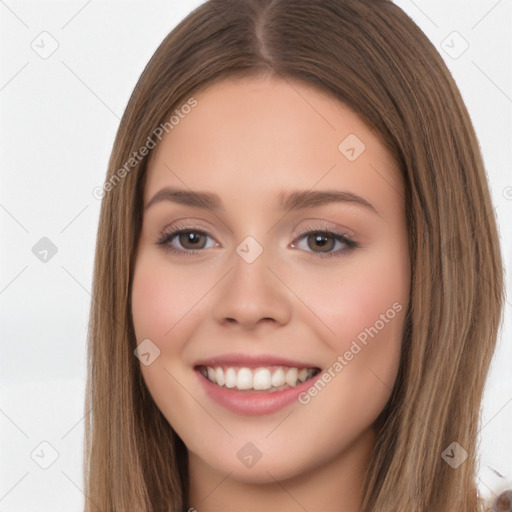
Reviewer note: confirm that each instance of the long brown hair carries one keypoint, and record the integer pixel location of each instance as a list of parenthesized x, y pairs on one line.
[(371, 56)]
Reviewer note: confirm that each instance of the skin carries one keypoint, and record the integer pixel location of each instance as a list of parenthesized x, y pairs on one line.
[(248, 140)]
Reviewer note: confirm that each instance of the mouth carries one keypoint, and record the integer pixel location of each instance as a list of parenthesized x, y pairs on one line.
[(254, 384), (256, 379)]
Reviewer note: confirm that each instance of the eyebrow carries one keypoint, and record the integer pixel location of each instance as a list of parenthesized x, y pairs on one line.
[(292, 201)]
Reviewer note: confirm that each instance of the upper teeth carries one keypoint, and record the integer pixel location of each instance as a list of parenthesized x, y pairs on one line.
[(258, 378)]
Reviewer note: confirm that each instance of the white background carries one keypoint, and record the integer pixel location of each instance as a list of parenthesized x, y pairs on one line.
[(59, 116)]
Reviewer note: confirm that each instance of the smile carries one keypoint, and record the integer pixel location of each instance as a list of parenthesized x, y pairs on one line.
[(254, 385), (272, 379)]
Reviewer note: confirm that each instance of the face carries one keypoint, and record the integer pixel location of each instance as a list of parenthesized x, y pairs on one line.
[(274, 302)]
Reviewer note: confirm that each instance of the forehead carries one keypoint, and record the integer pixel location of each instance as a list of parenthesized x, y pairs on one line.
[(255, 136)]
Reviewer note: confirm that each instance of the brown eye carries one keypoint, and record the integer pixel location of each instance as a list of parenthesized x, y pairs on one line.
[(320, 241), (186, 241), (192, 240), (324, 243)]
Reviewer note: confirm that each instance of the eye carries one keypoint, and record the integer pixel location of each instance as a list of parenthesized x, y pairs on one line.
[(190, 240), (325, 241)]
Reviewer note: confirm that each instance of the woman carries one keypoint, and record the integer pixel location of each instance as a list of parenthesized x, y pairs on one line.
[(326, 343)]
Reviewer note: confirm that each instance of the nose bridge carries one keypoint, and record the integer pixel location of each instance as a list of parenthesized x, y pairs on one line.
[(250, 292)]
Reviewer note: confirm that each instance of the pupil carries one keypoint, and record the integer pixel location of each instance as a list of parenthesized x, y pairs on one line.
[(191, 238), (322, 241)]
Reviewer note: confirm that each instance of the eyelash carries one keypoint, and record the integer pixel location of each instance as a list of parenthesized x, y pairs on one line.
[(166, 238)]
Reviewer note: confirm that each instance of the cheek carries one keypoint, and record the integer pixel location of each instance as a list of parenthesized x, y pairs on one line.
[(152, 303), (162, 310), (363, 304), (351, 297), (161, 297)]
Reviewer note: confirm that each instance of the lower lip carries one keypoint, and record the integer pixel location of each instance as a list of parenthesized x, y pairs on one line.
[(254, 403)]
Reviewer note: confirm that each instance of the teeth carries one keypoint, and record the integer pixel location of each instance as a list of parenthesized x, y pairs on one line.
[(303, 374), (230, 377), (261, 379), (278, 378), (257, 379), (291, 376), (244, 378), (219, 376)]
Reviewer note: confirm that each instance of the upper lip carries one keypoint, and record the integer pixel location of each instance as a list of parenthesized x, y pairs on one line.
[(252, 361)]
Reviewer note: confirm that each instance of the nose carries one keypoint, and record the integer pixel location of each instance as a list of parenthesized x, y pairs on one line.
[(251, 294)]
